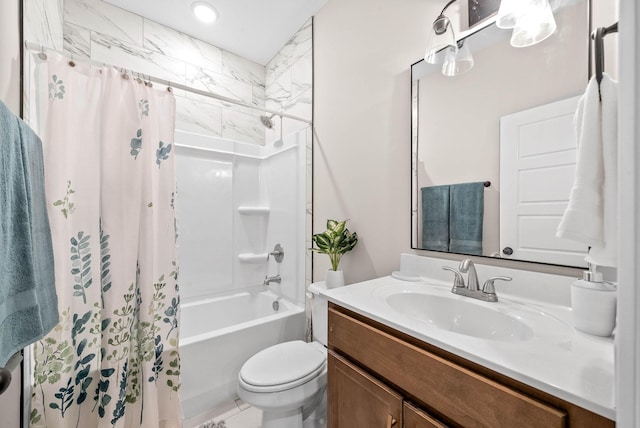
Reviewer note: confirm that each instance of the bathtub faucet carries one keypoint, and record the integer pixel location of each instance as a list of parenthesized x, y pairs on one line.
[(269, 279)]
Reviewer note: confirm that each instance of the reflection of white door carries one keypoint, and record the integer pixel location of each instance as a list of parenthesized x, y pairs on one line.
[(537, 168)]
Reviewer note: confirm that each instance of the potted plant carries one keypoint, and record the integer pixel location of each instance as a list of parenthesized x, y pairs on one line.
[(335, 242)]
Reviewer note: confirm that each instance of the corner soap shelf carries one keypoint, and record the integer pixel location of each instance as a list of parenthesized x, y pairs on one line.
[(252, 257), (253, 210)]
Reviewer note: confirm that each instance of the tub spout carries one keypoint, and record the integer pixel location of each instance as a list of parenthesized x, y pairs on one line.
[(269, 279)]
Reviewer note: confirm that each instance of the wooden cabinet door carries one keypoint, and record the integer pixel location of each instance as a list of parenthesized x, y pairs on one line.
[(416, 418), (357, 400)]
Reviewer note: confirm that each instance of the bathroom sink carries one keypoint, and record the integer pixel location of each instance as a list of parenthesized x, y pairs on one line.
[(461, 316)]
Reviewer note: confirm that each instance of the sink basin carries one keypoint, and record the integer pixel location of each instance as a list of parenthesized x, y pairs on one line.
[(461, 316)]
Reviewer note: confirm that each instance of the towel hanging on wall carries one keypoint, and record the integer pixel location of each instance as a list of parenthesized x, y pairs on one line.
[(591, 215), (28, 301)]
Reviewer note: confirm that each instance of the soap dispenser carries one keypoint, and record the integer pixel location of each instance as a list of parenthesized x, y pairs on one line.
[(593, 303)]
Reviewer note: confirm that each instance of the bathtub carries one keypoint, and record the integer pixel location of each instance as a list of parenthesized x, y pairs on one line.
[(217, 335)]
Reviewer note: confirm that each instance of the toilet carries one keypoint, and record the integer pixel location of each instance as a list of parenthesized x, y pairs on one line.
[(288, 381)]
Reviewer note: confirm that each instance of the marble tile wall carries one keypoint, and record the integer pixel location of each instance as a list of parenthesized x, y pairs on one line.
[(289, 88), (102, 32)]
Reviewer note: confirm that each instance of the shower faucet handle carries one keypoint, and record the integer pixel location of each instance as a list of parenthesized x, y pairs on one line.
[(277, 253)]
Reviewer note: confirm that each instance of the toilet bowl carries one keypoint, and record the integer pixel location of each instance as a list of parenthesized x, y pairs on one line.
[(288, 381)]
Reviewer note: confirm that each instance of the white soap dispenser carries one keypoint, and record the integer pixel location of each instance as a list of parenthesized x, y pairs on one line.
[(593, 303)]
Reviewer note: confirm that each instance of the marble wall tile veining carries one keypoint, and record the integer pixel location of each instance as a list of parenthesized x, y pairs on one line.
[(219, 84), (278, 92), (258, 97), (296, 48), (301, 106), (242, 127), (43, 23), (122, 54), (301, 70), (243, 69), (77, 41), (175, 44), (196, 116), (105, 18)]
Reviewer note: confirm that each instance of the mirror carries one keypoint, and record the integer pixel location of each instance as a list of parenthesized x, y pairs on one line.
[(456, 138)]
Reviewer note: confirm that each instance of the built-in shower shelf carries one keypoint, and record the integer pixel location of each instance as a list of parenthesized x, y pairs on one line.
[(253, 210), (252, 257)]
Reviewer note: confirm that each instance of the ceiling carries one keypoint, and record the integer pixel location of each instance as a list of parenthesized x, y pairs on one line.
[(253, 29)]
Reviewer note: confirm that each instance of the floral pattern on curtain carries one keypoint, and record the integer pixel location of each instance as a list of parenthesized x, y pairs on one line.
[(113, 359)]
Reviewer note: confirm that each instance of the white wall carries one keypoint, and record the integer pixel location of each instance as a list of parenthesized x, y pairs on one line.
[(10, 95), (362, 53)]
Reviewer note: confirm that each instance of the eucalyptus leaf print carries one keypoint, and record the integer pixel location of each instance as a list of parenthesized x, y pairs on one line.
[(67, 207), (171, 315), (113, 359), (162, 153), (136, 144), (64, 398), (118, 412), (174, 368), (157, 362), (102, 398), (56, 88), (143, 106), (105, 264), (81, 265)]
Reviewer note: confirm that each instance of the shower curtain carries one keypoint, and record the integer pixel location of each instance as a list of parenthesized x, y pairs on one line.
[(113, 360)]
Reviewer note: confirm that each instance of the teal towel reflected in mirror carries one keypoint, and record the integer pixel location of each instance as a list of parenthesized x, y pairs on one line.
[(466, 215), (435, 218), (452, 217)]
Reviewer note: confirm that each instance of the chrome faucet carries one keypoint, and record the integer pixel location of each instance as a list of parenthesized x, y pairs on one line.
[(269, 279), (472, 279), (488, 291)]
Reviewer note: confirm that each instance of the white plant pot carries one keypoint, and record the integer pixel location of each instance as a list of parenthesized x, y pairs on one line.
[(335, 278), (593, 307)]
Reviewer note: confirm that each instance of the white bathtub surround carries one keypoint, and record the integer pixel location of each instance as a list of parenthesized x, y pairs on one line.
[(235, 202), (574, 366), (219, 334), (109, 162)]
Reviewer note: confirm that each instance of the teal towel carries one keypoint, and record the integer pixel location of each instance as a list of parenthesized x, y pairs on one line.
[(465, 218), (28, 301), (435, 218)]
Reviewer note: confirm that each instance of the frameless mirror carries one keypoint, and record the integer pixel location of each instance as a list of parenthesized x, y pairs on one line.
[(526, 94)]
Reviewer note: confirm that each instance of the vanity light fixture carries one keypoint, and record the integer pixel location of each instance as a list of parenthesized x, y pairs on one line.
[(440, 37), (442, 47), (458, 61), (204, 12), (532, 21)]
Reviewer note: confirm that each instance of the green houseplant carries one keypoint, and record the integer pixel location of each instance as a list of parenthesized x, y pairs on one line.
[(335, 242)]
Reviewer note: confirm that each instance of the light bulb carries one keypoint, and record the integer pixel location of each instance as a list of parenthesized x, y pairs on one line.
[(204, 12)]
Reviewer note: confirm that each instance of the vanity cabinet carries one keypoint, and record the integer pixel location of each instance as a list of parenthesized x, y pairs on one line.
[(374, 370), (358, 400)]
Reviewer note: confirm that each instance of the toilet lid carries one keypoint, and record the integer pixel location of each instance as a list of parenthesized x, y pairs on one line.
[(284, 366)]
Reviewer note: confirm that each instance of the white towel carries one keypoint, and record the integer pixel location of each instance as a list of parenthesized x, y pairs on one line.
[(591, 216)]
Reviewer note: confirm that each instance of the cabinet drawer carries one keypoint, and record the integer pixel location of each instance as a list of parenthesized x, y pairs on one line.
[(416, 418), (465, 397)]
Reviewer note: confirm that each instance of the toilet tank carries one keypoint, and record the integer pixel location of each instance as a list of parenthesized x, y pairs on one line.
[(319, 308)]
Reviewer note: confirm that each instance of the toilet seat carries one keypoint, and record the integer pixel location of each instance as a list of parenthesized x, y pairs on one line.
[(282, 367)]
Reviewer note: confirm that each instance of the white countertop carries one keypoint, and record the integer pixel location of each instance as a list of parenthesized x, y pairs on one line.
[(561, 361)]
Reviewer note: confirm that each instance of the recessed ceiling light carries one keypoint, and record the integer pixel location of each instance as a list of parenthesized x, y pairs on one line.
[(204, 12)]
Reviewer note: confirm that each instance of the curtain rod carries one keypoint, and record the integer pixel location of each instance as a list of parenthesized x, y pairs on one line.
[(34, 47)]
